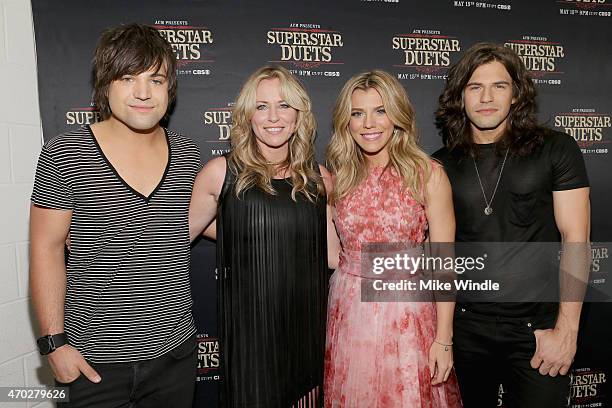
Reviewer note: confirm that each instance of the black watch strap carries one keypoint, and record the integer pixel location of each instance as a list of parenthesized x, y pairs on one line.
[(48, 344)]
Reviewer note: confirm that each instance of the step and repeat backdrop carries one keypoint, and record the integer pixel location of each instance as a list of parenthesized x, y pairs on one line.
[(565, 44)]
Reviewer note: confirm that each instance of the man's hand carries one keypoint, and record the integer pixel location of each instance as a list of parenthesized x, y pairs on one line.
[(68, 364), (555, 350)]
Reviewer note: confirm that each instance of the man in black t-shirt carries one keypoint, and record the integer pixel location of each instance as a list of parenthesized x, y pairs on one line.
[(513, 181)]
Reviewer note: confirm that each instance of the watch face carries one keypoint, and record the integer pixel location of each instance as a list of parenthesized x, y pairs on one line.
[(44, 345)]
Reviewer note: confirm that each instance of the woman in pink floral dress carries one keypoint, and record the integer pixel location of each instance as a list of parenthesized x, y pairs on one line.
[(386, 190)]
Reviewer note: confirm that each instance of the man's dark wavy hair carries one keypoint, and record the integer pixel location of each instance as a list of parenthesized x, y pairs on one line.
[(523, 132), (130, 50)]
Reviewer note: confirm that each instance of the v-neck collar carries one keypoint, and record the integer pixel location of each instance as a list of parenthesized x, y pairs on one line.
[(125, 183)]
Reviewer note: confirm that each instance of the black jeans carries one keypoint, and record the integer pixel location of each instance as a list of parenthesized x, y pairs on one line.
[(166, 381), (489, 350)]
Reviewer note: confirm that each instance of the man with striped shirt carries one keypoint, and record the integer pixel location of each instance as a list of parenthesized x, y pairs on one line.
[(116, 318)]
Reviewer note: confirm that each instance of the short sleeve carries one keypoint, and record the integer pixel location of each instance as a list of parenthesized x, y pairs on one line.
[(569, 171), (440, 155), (50, 188), (200, 163), (197, 158), (190, 151)]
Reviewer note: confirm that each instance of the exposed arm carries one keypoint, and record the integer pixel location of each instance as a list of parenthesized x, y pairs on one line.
[(333, 242), (206, 190), (211, 230), (556, 347), (441, 220), (48, 233)]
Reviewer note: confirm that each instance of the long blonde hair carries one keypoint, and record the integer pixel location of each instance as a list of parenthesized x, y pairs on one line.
[(246, 161), (344, 157)]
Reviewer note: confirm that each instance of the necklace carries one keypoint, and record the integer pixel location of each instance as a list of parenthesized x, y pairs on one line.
[(269, 163), (488, 209)]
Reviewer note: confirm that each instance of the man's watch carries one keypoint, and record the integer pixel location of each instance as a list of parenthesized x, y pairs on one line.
[(48, 344)]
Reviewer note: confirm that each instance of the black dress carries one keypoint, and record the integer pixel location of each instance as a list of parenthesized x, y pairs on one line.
[(272, 287)]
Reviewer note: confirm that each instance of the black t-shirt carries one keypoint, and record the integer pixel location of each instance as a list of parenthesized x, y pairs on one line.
[(523, 204)]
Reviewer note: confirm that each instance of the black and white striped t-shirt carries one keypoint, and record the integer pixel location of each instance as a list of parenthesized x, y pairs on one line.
[(127, 295)]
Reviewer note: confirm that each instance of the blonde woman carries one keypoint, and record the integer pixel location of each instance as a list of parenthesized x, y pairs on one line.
[(269, 199), (386, 189)]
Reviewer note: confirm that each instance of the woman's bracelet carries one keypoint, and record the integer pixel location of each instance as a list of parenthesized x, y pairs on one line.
[(446, 346)]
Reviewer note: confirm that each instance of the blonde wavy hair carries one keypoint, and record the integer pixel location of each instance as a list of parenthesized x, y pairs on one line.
[(346, 160), (246, 161)]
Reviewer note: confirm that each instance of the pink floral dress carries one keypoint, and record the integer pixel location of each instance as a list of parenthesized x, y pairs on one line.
[(377, 353)]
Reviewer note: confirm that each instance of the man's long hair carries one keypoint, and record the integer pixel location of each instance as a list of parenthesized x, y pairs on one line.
[(522, 134)]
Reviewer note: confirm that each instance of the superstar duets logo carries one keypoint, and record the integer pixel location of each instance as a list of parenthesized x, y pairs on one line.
[(222, 119), (591, 129), (586, 387), (307, 49), (541, 57), (217, 122), (82, 116), (600, 254), (191, 44), (427, 53), (208, 358)]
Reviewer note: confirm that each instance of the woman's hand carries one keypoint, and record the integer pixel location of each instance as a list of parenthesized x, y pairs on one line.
[(440, 362)]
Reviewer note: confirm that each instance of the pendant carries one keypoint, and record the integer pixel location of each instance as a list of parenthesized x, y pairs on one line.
[(488, 210)]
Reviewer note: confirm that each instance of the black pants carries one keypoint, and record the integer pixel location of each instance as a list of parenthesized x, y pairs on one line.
[(166, 381), (490, 350)]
